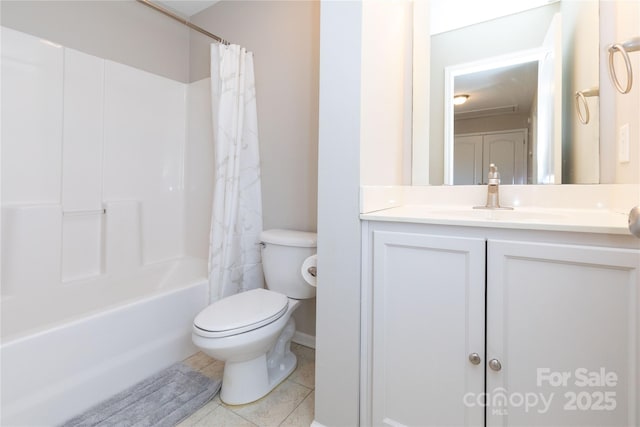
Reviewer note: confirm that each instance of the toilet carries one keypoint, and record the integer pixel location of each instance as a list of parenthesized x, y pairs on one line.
[(251, 331)]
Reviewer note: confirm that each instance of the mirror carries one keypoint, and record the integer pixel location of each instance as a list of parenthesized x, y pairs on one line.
[(521, 72), (508, 118)]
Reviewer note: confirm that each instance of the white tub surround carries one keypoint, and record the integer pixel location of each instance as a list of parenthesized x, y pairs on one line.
[(575, 208), (97, 289), (92, 165)]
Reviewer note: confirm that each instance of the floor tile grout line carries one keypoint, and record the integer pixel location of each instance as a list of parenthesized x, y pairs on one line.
[(246, 419), (225, 408), (294, 409), (195, 422), (303, 385)]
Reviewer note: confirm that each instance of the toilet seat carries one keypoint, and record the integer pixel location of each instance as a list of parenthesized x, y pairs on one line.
[(240, 313)]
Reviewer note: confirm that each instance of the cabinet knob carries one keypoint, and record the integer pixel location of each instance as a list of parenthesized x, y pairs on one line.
[(475, 359), (495, 364)]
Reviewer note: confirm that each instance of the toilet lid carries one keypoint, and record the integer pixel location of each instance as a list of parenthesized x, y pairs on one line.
[(240, 313)]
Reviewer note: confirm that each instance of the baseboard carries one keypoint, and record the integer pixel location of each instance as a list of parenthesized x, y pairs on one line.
[(316, 424), (304, 339)]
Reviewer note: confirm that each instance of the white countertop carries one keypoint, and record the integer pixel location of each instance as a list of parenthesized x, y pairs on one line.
[(524, 218)]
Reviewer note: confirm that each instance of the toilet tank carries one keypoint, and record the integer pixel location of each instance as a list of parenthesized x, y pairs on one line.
[(283, 252)]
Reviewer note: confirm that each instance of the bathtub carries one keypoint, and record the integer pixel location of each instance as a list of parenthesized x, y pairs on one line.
[(64, 351)]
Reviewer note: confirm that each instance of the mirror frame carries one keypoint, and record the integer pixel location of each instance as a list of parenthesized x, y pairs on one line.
[(453, 71)]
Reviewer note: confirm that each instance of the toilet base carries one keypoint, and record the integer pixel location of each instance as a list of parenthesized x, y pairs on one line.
[(249, 380)]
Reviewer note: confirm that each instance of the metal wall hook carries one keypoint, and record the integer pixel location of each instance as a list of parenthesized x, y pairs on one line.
[(582, 95), (634, 221), (631, 45)]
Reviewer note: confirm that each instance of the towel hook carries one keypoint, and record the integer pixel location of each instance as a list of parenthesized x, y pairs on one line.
[(634, 221), (624, 48), (582, 95)]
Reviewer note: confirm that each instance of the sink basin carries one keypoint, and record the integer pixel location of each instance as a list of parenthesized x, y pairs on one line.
[(518, 214)]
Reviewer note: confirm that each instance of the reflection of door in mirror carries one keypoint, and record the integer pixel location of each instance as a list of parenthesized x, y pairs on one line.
[(507, 150), (502, 99)]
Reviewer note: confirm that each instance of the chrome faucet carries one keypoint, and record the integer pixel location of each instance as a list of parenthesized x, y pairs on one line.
[(493, 193)]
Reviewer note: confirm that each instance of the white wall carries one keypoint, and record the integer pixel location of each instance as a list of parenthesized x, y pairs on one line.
[(122, 31), (81, 133), (338, 327), (385, 114), (619, 21), (580, 156)]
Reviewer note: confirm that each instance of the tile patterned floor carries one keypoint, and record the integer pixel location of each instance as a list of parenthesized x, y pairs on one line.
[(291, 404)]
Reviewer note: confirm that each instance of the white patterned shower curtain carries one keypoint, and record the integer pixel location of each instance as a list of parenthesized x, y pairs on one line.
[(236, 221)]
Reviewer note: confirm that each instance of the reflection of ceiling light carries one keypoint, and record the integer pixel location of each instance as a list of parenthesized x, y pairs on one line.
[(460, 99)]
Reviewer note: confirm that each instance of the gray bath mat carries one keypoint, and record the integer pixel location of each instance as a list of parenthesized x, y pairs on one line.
[(161, 400)]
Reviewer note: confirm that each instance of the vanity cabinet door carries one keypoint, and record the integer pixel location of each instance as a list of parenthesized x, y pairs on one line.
[(428, 297), (562, 335)]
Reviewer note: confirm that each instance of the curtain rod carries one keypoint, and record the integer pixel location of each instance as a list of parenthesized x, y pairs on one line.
[(182, 20)]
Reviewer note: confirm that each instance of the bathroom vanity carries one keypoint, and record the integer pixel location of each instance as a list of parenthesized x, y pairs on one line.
[(499, 319)]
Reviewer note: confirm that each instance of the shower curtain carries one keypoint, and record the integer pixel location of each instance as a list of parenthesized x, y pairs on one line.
[(236, 221)]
